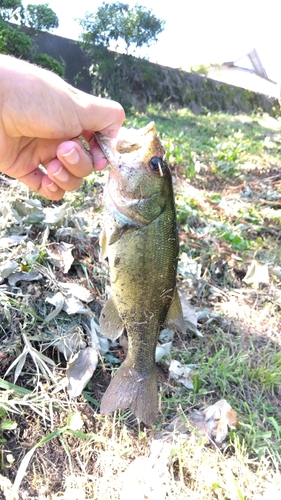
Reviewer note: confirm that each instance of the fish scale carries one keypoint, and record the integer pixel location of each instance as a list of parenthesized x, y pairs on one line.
[(140, 241)]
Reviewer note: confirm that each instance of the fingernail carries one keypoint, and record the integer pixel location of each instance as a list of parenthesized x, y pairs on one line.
[(62, 175), (72, 157), (52, 187)]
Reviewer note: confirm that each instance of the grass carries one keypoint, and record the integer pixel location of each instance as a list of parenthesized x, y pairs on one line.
[(227, 183)]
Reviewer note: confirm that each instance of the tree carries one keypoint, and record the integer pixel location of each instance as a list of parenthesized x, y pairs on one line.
[(15, 42), (118, 22), (37, 17), (40, 17), (11, 9)]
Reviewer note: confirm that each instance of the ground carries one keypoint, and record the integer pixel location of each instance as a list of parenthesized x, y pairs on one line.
[(227, 178)]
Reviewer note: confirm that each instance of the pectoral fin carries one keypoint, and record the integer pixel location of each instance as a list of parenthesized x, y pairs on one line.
[(174, 318), (110, 321), (119, 231), (125, 228)]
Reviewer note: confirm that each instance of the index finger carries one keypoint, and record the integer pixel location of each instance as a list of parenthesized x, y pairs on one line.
[(101, 115)]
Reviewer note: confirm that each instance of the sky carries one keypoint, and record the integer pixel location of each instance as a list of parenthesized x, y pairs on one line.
[(196, 31)]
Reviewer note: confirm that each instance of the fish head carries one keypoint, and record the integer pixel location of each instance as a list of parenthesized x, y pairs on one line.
[(139, 178)]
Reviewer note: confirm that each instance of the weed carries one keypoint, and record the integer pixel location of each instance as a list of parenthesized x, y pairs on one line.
[(226, 179)]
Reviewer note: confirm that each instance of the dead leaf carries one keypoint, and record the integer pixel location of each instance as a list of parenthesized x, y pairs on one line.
[(56, 214), (182, 373), (212, 422), (81, 370), (166, 335), (72, 305), (189, 268), (97, 339), (12, 240), (67, 302), (23, 276), (31, 211), (194, 420), (189, 313), (219, 417), (79, 291), (58, 301), (60, 255), (8, 268), (70, 342), (257, 273), (162, 350)]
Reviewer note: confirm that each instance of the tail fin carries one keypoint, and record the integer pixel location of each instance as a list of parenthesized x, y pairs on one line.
[(132, 389)]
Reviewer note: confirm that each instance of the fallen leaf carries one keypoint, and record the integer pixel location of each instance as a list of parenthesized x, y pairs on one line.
[(67, 302), (189, 313), (98, 340), (70, 342), (257, 273), (182, 373), (79, 291), (12, 240), (58, 301), (23, 276), (166, 335), (162, 350), (56, 214), (31, 211), (211, 423), (189, 268), (219, 417), (72, 305), (194, 420), (60, 255), (8, 268), (81, 370)]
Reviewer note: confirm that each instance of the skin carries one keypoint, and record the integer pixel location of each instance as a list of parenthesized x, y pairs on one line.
[(41, 119)]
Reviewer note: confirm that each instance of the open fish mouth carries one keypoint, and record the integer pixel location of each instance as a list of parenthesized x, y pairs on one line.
[(130, 148)]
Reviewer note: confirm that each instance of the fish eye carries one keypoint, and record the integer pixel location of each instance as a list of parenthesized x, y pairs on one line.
[(156, 164)]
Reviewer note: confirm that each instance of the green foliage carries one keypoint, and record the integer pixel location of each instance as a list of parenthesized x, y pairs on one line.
[(48, 62), (11, 9), (137, 83), (135, 27), (40, 17), (14, 42), (111, 70), (37, 17), (200, 69)]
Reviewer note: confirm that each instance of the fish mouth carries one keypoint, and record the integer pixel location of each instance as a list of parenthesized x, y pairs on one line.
[(119, 152), (132, 146)]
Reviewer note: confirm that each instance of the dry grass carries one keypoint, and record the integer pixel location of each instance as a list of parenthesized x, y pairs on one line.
[(238, 358)]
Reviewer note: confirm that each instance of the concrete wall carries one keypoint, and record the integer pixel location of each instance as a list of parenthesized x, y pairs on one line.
[(135, 82)]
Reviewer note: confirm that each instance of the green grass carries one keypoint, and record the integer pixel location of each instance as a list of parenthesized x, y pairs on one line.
[(214, 157)]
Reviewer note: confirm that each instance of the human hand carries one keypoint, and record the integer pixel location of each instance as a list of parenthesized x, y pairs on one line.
[(41, 120)]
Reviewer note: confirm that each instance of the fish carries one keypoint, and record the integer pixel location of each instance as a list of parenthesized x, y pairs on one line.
[(140, 241)]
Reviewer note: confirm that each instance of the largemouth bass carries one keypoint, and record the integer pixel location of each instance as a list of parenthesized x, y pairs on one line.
[(140, 241)]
